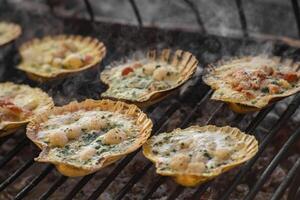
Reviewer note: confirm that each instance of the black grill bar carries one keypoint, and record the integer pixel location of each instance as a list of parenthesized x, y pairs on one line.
[(287, 181), (16, 174), (255, 122), (280, 155), (242, 17), (34, 182), (195, 10), (136, 12), (3, 140), (294, 189), (89, 9), (288, 112), (189, 117), (79, 186), (112, 175), (201, 189), (295, 5), (153, 187), (132, 181), (176, 192), (53, 187), (13, 152)]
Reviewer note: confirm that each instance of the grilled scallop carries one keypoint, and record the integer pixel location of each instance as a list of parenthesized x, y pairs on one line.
[(18, 104), (58, 56), (147, 79), (251, 83), (9, 32), (197, 154), (81, 138)]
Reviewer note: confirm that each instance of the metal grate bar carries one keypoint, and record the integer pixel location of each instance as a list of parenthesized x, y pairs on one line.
[(188, 118), (112, 175), (136, 12), (272, 165), (132, 181), (255, 122), (288, 112), (34, 182), (16, 174), (293, 194), (53, 187), (79, 186), (297, 14), (89, 9), (13, 152), (160, 180), (176, 192), (200, 191), (3, 140), (195, 10), (242, 17), (294, 190), (287, 181)]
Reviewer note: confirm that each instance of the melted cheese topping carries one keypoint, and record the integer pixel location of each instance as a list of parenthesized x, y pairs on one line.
[(195, 152), (137, 80), (85, 137), (253, 81), (8, 32), (56, 56)]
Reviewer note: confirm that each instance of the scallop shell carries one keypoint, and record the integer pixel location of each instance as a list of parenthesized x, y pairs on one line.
[(235, 100), (174, 58), (45, 103), (14, 31), (99, 51), (192, 179), (106, 105)]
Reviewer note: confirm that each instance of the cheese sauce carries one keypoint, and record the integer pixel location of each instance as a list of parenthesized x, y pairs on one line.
[(138, 79), (84, 137), (195, 152)]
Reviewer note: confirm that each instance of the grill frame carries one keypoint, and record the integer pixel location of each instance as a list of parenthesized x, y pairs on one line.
[(159, 126)]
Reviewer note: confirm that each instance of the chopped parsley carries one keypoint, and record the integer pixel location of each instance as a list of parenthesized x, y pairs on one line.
[(265, 90)]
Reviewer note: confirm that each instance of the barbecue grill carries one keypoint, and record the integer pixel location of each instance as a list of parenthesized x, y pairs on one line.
[(274, 173)]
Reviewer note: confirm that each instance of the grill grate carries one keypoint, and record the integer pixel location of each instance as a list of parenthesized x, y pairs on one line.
[(163, 115)]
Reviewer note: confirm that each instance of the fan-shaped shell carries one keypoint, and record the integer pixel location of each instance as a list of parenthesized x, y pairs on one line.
[(35, 54), (215, 77), (162, 157), (184, 62), (140, 122), (9, 32), (42, 101)]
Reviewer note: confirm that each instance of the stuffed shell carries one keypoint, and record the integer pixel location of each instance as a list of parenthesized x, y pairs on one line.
[(251, 83), (81, 138), (18, 104), (9, 32), (146, 79), (58, 56), (197, 154)]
